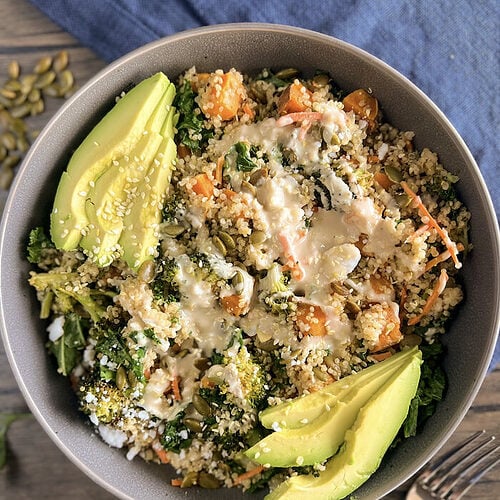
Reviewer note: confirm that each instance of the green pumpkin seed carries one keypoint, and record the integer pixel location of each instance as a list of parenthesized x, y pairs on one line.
[(248, 188), (227, 239), (53, 90), (13, 70), (43, 65), (6, 177), (132, 378), (267, 346), (22, 110), (121, 378), (45, 80), (411, 340), (340, 289), (208, 481), (193, 424), (66, 80), (5, 102), (201, 405), (61, 61), (237, 279), (287, 73), (5, 118), (202, 364), (320, 374), (27, 82), (147, 271), (8, 140), (257, 175), (3, 152), (257, 237), (22, 144), (329, 361), (321, 80), (190, 479), (18, 126), (173, 230), (402, 199), (37, 107), (352, 307), (219, 244), (34, 95), (393, 173), (182, 353), (13, 85), (8, 94)]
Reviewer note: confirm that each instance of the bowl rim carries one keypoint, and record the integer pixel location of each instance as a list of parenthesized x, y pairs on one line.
[(251, 27)]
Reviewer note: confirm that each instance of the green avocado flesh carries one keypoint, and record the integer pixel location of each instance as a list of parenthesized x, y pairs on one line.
[(303, 410), (112, 175), (320, 438), (365, 443)]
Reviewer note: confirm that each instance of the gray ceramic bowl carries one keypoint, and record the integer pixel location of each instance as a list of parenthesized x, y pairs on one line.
[(247, 47)]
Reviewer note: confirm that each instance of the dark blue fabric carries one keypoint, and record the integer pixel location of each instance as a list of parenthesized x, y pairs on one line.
[(448, 48)]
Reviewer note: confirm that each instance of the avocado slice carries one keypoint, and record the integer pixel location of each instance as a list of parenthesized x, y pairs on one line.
[(375, 428), (114, 192), (320, 439), (140, 236), (303, 410), (114, 137)]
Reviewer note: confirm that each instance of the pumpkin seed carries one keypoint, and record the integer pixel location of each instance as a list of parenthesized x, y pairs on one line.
[(27, 82), (45, 80), (66, 80), (20, 99), (37, 107), (43, 65), (3, 152), (61, 60), (14, 85), (201, 405), (182, 353), (34, 95), (237, 279), (132, 378), (411, 340), (53, 90), (287, 73), (340, 289), (257, 175), (18, 126), (202, 364), (190, 479), (321, 80), (320, 374), (11, 161), (5, 102), (393, 173), (13, 70), (121, 378), (329, 361), (147, 271), (208, 481), (352, 307), (193, 424), (257, 237), (248, 188), (219, 244), (173, 230), (402, 199), (6, 177), (22, 144), (5, 118), (267, 346), (228, 240), (8, 94), (8, 139), (22, 110)]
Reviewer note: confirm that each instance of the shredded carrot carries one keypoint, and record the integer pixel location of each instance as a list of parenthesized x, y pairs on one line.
[(249, 474), (307, 116), (424, 213), (441, 258), (402, 300), (147, 373), (421, 230), (436, 292), (381, 355), (248, 111), (203, 186), (176, 388), (292, 263), (162, 455), (176, 481), (295, 98)]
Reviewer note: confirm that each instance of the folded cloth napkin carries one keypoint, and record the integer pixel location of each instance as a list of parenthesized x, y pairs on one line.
[(448, 48)]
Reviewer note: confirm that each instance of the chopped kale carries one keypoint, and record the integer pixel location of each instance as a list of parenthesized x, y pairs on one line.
[(245, 155), (165, 288), (191, 129), (37, 242), (176, 436)]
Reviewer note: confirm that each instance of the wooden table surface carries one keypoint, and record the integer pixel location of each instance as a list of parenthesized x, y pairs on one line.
[(36, 468)]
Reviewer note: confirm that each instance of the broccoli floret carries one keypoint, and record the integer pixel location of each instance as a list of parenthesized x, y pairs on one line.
[(274, 290), (252, 378), (103, 399), (204, 268), (61, 285), (38, 241), (164, 286)]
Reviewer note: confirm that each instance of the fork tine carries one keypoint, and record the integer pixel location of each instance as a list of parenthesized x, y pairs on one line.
[(442, 462), (460, 476), (457, 495)]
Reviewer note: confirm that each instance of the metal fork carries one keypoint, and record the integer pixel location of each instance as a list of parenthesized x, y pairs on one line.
[(450, 476)]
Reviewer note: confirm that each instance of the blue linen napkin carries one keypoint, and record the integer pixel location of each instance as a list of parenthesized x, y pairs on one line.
[(448, 48)]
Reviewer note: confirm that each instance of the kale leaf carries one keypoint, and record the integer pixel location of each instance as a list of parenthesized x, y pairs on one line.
[(176, 435), (37, 242)]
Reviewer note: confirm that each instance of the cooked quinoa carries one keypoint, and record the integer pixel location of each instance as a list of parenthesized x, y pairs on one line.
[(303, 239)]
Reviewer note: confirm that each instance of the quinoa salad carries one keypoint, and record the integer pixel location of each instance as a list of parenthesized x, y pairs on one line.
[(301, 239)]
